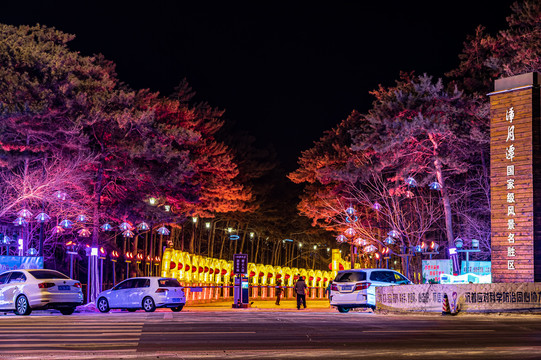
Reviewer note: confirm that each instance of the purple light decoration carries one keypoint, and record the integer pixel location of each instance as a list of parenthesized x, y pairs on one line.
[(84, 232), (390, 241), (81, 218), (411, 182), (58, 230), (376, 206), (143, 226), (163, 231), (128, 233), (106, 227), (60, 195), (125, 226), (42, 217), (350, 211), (341, 238), (66, 224), (393, 233), (370, 249), (435, 186), (24, 213), (350, 232), (19, 221)]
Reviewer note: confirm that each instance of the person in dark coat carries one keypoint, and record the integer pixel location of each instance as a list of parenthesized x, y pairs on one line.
[(300, 290), (278, 291)]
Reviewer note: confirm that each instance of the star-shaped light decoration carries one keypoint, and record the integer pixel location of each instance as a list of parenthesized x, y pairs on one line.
[(25, 213), (163, 231), (143, 226), (84, 232), (81, 218), (19, 221), (411, 182), (125, 226), (42, 217), (393, 233), (106, 227), (66, 224), (128, 233)]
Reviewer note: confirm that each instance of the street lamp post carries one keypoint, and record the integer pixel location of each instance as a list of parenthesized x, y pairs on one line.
[(475, 248)]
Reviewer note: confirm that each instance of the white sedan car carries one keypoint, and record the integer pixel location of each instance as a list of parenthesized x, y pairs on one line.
[(22, 291), (147, 293), (357, 288)]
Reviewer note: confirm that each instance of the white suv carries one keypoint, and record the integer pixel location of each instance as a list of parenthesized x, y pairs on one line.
[(357, 288)]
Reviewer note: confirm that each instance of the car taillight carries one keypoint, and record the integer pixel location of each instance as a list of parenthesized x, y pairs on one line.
[(45, 285), (334, 287), (78, 285), (362, 286), (161, 291)]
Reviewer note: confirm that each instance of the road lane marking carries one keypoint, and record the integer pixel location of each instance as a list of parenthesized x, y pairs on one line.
[(71, 346), (425, 331), (195, 332), (63, 331)]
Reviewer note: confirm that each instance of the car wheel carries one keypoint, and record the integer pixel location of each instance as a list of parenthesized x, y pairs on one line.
[(132, 310), (148, 304), (178, 308), (21, 306), (343, 309), (103, 305), (67, 311)]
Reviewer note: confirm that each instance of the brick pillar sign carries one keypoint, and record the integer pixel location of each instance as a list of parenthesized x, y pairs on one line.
[(515, 179)]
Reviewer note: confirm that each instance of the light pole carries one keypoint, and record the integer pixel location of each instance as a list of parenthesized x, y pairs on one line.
[(475, 248)]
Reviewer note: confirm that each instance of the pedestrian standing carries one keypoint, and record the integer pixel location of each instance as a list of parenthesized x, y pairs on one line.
[(300, 290), (278, 291), (328, 290)]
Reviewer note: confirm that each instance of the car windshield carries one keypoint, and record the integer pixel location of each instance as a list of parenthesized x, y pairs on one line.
[(168, 283), (47, 274), (350, 276)]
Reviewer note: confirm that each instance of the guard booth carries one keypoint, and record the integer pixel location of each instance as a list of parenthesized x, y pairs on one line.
[(240, 290)]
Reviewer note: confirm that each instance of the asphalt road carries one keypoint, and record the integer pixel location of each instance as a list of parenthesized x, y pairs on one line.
[(262, 334)]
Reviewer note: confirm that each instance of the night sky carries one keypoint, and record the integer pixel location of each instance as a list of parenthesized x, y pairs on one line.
[(283, 72)]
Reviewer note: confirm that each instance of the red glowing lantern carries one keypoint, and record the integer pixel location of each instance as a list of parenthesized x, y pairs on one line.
[(269, 275), (200, 269), (287, 276), (172, 265), (217, 271), (261, 274), (325, 279), (310, 278), (180, 266), (224, 271), (278, 276), (194, 269), (252, 274), (206, 269), (211, 271), (187, 267), (295, 277), (318, 279), (341, 267)]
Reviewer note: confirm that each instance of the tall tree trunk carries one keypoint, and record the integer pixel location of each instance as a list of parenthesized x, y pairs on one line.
[(212, 239), (444, 194), (257, 249)]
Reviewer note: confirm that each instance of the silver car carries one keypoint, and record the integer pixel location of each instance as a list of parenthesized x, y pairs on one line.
[(147, 293), (357, 288), (22, 291)]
